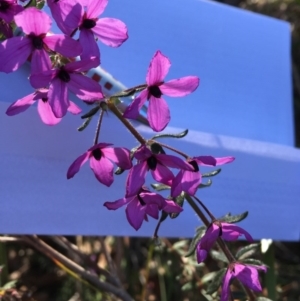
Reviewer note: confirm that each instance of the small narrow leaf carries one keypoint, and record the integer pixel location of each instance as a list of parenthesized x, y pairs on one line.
[(253, 262), (211, 174), (160, 187), (204, 185), (263, 299), (119, 171), (218, 256), (200, 232), (247, 251), (85, 124), (187, 286), (91, 113), (234, 218), (216, 282), (180, 135), (179, 200)]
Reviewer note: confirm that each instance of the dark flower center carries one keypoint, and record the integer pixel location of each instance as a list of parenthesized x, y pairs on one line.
[(88, 23), (155, 91), (64, 75), (141, 200), (152, 162), (37, 42), (195, 165), (97, 154), (45, 99), (157, 149), (4, 6)]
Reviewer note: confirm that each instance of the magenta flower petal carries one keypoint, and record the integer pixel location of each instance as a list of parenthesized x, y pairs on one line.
[(9, 9), (158, 69), (83, 65), (111, 32), (232, 232), (119, 155), (190, 181), (180, 87), (152, 210), (158, 113), (162, 174), (43, 79), (84, 87), (95, 8), (173, 162), (117, 204), (67, 14), (40, 61), (63, 44), (103, 170), (46, 113), (248, 275), (152, 198), (136, 178), (132, 111), (226, 286), (142, 153), (33, 21), (73, 108), (89, 45), (211, 161), (176, 187), (171, 207), (20, 105), (135, 213), (76, 165), (58, 98), (14, 53)]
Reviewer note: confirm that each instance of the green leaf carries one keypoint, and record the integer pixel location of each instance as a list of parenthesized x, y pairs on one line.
[(263, 299), (216, 282), (160, 187), (253, 262), (233, 218), (31, 3), (187, 286), (40, 4), (199, 233), (204, 185), (211, 174), (180, 135), (180, 244), (218, 256), (119, 171), (9, 284), (91, 113), (85, 124), (247, 251)]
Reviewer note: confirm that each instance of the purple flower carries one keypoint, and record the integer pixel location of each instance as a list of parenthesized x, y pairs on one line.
[(228, 232), (68, 77), (8, 9), (158, 110), (35, 24), (247, 274), (43, 107), (111, 32), (142, 204), (188, 181), (158, 165), (100, 156)]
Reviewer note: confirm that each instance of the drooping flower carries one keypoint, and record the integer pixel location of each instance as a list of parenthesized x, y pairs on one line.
[(101, 157), (247, 274), (143, 204), (112, 32), (8, 9), (68, 77), (228, 232), (158, 111), (43, 107), (158, 164), (35, 24), (188, 181)]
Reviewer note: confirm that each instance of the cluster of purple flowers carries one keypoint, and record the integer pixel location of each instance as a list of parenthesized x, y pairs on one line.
[(58, 66)]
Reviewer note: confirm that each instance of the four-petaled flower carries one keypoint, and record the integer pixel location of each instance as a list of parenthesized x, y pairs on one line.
[(188, 181), (158, 165), (68, 77), (228, 232), (247, 274), (43, 106), (142, 204), (158, 111), (110, 31), (35, 24), (100, 156)]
